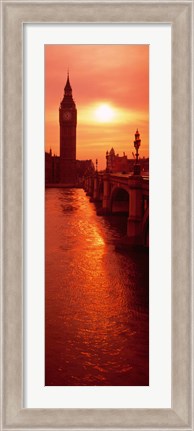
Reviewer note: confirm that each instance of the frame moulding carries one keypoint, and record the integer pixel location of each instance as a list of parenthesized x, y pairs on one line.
[(180, 15)]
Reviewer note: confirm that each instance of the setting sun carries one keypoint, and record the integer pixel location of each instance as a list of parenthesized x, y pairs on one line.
[(104, 113)]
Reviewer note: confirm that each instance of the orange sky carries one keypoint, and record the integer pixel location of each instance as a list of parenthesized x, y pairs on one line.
[(115, 76)]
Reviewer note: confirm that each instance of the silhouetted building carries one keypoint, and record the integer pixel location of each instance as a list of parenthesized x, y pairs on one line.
[(116, 163), (48, 167), (65, 169), (68, 123), (52, 168)]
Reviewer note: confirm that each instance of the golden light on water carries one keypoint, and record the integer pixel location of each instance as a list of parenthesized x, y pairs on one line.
[(98, 239), (94, 237), (96, 318)]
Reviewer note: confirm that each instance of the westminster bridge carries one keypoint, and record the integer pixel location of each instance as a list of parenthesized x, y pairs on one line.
[(123, 194)]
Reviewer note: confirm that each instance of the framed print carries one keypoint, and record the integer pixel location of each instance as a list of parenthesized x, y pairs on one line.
[(119, 250), (89, 351), (85, 376)]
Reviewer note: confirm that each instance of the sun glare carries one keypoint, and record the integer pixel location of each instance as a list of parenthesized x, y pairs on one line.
[(104, 113)]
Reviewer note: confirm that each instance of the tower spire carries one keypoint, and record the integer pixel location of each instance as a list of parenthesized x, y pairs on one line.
[(68, 89), (68, 123)]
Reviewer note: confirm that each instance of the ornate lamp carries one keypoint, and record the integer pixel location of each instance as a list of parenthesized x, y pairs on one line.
[(137, 143)]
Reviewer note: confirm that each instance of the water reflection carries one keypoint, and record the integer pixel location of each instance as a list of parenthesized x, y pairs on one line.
[(96, 298)]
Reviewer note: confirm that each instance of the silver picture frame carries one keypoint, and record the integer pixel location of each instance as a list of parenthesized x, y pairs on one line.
[(13, 15)]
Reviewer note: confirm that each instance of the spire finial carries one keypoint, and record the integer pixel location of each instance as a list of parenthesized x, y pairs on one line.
[(68, 89)]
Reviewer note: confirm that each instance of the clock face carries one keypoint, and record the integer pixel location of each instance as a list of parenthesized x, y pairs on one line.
[(67, 115)]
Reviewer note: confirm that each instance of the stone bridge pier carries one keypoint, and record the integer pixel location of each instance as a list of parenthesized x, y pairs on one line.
[(94, 187), (95, 194), (106, 200), (123, 194), (89, 185), (134, 224)]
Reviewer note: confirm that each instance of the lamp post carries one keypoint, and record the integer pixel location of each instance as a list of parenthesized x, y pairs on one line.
[(137, 143)]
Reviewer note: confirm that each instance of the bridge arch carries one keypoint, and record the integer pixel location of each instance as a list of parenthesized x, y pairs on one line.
[(119, 200)]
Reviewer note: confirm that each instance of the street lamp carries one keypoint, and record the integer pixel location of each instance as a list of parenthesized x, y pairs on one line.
[(137, 143)]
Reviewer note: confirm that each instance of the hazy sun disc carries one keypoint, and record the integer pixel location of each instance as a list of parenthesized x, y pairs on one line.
[(104, 113)]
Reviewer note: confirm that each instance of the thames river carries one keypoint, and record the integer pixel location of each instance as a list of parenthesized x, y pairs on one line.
[(97, 299)]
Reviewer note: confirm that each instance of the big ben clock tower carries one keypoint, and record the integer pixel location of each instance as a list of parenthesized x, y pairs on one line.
[(68, 123)]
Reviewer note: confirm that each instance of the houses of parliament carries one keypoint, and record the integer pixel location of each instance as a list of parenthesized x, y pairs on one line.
[(65, 169)]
